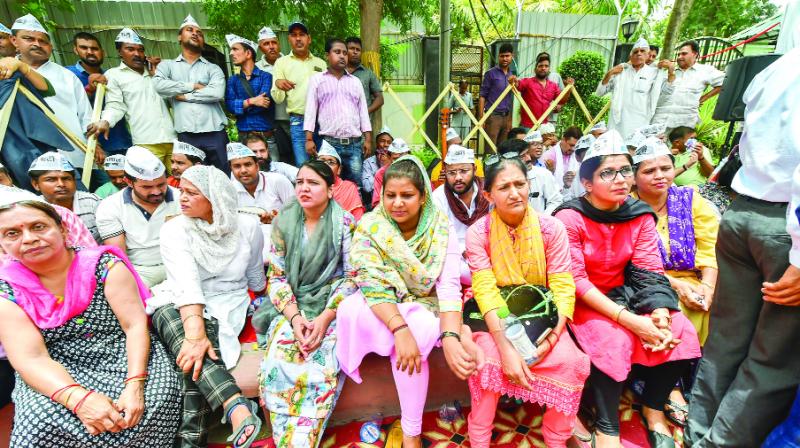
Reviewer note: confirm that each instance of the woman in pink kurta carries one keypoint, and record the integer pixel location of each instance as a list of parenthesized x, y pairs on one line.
[(607, 230), (513, 246)]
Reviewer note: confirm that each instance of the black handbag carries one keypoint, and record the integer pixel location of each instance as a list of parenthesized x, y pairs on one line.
[(532, 305)]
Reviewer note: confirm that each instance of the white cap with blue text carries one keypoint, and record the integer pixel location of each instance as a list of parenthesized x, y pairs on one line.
[(599, 126), (142, 164), (585, 142), (128, 36), (608, 144), (457, 154), (651, 148), (266, 33), (399, 146), (4, 29), (187, 150), (234, 39), (534, 137), (114, 163), (450, 134), (51, 161), (237, 150), (28, 23), (547, 128), (189, 21), (326, 149)]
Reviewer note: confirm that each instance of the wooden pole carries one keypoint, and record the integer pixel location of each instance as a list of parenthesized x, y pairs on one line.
[(91, 146)]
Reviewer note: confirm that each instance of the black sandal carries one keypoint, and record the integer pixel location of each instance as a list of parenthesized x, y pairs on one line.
[(251, 421), (657, 439), (675, 411)]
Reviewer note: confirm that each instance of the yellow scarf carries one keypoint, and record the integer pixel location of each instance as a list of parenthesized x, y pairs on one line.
[(508, 268)]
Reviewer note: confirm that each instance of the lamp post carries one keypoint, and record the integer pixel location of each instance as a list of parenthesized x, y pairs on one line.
[(629, 27)]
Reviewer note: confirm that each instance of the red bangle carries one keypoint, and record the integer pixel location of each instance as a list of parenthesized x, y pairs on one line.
[(75, 409), (399, 327), (55, 394), (143, 375)]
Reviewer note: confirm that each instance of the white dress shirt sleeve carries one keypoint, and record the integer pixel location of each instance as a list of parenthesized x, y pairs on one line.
[(550, 190), (284, 189), (115, 107), (793, 220), (164, 84), (214, 92), (84, 106), (256, 276), (183, 275)]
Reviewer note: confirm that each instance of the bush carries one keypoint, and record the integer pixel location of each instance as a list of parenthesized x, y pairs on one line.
[(572, 115), (587, 68), (390, 56)]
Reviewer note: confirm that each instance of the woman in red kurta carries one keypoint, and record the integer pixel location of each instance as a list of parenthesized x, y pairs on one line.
[(607, 230), (345, 193)]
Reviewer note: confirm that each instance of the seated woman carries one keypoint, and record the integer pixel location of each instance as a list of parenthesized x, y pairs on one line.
[(73, 324), (345, 192), (687, 226), (513, 245), (407, 262), (310, 274), (212, 255), (607, 231)]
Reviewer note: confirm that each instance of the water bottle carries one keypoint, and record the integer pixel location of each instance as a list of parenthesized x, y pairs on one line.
[(371, 431), (450, 411), (516, 334), (690, 143)]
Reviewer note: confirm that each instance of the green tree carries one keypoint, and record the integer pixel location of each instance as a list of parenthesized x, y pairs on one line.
[(724, 18), (39, 9)]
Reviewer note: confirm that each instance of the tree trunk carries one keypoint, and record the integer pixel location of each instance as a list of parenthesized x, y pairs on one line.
[(371, 16), (680, 10)]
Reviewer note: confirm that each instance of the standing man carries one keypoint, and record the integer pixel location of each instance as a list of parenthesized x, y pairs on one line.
[(195, 87), (750, 365), (69, 103), (538, 92), (271, 48), (132, 218), (248, 93), (336, 102), (373, 91), (53, 176), (88, 69), (635, 88), (132, 94), (7, 48), (461, 198), (459, 120), (290, 84), (184, 156), (683, 92), (495, 81)]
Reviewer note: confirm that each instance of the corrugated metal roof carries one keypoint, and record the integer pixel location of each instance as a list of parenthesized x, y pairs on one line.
[(562, 35)]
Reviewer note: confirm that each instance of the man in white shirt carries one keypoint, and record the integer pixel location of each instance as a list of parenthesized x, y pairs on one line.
[(461, 198), (264, 193), (564, 164), (683, 93), (750, 370), (131, 94), (54, 177), (70, 103), (131, 219), (635, 88), (260, 148)]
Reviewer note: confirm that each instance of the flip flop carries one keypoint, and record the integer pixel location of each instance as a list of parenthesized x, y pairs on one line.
[(252, 420), (673, 410), (394, 437)]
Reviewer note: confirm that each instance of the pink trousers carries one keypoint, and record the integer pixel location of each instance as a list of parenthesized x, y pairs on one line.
[(412, 390)]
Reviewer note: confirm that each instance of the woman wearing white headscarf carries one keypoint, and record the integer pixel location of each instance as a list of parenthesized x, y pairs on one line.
[(212, 255)]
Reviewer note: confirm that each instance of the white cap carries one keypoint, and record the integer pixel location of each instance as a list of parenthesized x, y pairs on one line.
[(266, 33), (29, 23), (128, 36), (534, 137), (326, 149), (650, 149), (4, 29), (115, 162), (458, 154), (451, 134), (187, 150), (608, 144), (385, 130), (234, 39), (599, 126), (12, 195), (653, 130), (635, 139), (142, 164), (189, 21), (547, 128), (585, 142), (399, 146), (51, 161), (237, 150), (641, 43)]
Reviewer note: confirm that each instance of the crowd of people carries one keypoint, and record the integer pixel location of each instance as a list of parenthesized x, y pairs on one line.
[(559, 270)]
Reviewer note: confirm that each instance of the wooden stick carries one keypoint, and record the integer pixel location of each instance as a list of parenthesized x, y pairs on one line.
[(77, 141), (91, 146)]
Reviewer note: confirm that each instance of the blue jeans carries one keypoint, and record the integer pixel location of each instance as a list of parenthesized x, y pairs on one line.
[(351, 158), (298, 135)]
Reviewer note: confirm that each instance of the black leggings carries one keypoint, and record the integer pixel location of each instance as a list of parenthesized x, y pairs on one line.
[(659, 381), (6, 382)]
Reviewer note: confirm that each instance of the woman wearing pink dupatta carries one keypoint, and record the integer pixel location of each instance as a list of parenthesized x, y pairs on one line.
[(73, 323)]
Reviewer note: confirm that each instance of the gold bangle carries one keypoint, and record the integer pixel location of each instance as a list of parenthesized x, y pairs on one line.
[(69, 395), (619, 312), (192, 315), (389, 323), (707, 284)]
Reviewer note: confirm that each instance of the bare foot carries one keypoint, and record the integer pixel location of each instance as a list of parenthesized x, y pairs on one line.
[(412, 442), (677, 396), (656, 421)]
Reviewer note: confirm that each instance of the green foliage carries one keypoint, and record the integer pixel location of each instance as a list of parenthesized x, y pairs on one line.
[(425, 154), (39, 9), (572, 115), (711, 132), (723, 19), (390, 56), (587, 68)]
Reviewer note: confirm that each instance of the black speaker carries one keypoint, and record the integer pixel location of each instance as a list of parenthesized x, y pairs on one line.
[(738, 75), (622, 53)]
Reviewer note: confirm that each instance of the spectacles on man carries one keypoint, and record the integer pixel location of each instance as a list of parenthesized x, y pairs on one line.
[(330, 162), (454, 173), (494, 158), (608, 175)]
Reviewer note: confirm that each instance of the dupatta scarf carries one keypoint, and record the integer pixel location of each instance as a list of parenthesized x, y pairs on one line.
[(682, 245), (508, 267), (391, 269)]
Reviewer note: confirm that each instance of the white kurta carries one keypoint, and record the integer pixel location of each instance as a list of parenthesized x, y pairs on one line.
[(634, 95), (544, 195), (273, 192), (679, 103), (562, 165), (223, 294)]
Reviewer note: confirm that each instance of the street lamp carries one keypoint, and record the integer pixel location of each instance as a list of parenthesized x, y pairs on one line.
[(629, 27)]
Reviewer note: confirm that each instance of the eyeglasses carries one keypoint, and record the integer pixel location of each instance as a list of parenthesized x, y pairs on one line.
[(608, 175), (494, 158), (454, 173), (330, 162)]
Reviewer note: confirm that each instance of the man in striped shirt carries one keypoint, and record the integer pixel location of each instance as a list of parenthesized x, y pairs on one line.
[(337, 103)]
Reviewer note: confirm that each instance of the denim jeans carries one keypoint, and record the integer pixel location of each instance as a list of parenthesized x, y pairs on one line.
[(298, 135), (351, 158)]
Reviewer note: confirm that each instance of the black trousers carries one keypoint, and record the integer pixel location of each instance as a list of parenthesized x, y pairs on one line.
[(213, 144), (6, 382)]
